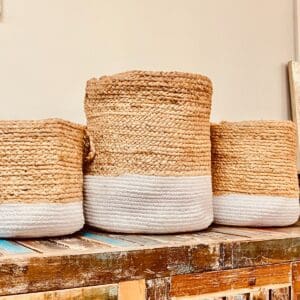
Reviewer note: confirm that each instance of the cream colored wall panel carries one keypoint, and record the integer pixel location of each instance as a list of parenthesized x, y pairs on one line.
[(48, 49)]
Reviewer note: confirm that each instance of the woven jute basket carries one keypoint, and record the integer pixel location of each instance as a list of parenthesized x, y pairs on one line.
[(152, 168), (254, 173), (40, 178)]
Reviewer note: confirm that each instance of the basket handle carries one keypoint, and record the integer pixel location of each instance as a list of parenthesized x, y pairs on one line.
[(89, 147)]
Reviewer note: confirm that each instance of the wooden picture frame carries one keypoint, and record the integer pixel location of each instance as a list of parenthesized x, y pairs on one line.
[(294, 79)]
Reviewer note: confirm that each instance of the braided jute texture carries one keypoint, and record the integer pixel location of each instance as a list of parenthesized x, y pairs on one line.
[(149, 123), (41, 161), (254, 158)]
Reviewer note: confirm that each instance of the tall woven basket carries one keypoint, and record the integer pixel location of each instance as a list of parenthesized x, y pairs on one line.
[(254, 173), (40, 178), (152, 169)]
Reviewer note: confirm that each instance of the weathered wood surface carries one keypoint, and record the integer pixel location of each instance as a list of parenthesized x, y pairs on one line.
[(92, 258), (274, 292), (10, 247), (280, 294), (244, 278), (296, 280), (132, 290), (158, 289), (239, 297), (38, 273), (261, 294), (109, 292)]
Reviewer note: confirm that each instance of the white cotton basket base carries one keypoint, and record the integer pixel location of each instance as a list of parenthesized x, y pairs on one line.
[(40, 219), (148, 204), (255, 211)]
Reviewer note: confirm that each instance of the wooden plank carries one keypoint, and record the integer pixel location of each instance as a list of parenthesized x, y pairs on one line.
[(132, 290), (213, 282), (54, 272), (214, 234), (108, 292), (294, 79), (239, 297), (158, 289), (10, 247), (57, 270), (244, 294), (292, 231), (206, 297), (208, 237), (140, 240), (261, 294), (251, 233), (280, 294), (255, 253), (105, 239), (43, 245), (296, 280), (175, 239), (79, 243), (233, 295)]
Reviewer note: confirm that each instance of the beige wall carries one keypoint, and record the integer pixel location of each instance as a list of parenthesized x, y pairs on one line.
[(49, 48)]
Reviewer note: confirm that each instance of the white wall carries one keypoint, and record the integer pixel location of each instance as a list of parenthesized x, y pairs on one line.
[(49, 48)]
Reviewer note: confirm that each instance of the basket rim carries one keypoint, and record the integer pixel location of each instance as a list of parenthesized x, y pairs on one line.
[(150, 73), (43, 121), (253, 123)]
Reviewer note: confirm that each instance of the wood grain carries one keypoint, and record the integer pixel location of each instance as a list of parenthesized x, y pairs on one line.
[(158, 289), (109, 292), (78, 243), (280, 294), (296, 279), (239, 297), (11, 248), (54, 272), (250, 233), (43, 245), (256, 253), (294, 79), (107, 239), (132, 290), (78, 261), (261, 294), (213, 282)]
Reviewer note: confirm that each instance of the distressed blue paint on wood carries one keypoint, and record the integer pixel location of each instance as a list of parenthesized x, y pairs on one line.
[(13, 248), (108, 240)]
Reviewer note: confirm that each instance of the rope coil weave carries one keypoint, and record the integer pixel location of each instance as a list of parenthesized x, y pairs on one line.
[(253, 163), (40, 178), (151, 124), (154, 123)]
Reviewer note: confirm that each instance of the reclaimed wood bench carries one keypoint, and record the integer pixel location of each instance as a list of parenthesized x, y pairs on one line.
[(219, 263)]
